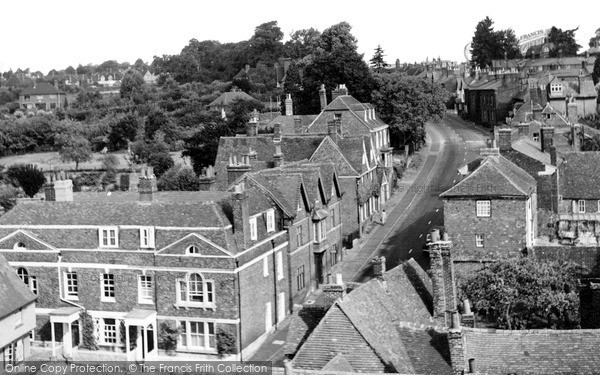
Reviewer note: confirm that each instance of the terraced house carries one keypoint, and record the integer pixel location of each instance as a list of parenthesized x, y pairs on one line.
[(213, 264)]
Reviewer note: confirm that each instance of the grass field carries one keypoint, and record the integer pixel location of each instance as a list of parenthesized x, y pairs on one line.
[(51, 160)]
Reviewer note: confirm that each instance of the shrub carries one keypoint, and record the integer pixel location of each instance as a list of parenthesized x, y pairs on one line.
[(161, 162), (87, 332), (168, 335), (225, 342), (8, 196), (28, 176), (178, 178)]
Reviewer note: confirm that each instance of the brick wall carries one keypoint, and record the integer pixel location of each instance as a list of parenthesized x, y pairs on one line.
[(349, 209), (504, 231)]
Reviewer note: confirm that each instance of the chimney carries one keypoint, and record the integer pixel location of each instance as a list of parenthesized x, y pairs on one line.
[(58, 188), (323, 97), (252, 126), (534, 93), (278, 156), (332, 292), (505, 139), (241, 217), (289, 108), (553, 155), (547, 138), (147, 185), (442, 278), (572, 115), (298, 129), (277, 133), (339, 91), (56, 84), (247, 68), (467, 318), (129, 181), (491, 150), (456, 344), (207, 178), (235, 168), (378, 267)]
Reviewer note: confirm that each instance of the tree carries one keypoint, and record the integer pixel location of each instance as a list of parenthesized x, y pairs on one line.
[(132, 86), (525, 293), (302, 43), (123, 130), (562, 42), (265, 45), (596, 71), (406, 104), (8, 196), (488, 45), (28, 177), (70, 70), (73, 148), (595, 40), (203, 145), (179, 179), (161, 162), (378, 61)]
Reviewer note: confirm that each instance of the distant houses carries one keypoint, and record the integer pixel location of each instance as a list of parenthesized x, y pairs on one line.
[(42, 96)]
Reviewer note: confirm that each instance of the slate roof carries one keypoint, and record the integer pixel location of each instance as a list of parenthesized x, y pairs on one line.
[(287, 122), (580, 175), (495, 176), (533, 352), (15, 294), (351, 104), (531, 149), (365, 326), (42, 88), (227, 98)]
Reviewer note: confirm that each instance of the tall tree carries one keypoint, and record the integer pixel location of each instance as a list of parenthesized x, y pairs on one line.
[(302, 43), (488, 45), (133, 86), (596, 71), (73, 148), (406, 104), (265, 44), (378, 61), (595, 40), (563, 42)]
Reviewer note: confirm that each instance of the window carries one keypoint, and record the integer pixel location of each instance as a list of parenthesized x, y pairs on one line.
[(581, 206), (192, 249), (299, 235), (253, 234), (479, 240), (484, 209), (300, 280), (52, 105), (270, 221), (337, 116), (30, 281), (332, 213), (536, 137), (197, 335), (265, 266), (18, 318), (145, 292), (19, 246), (108, 287), (109, 331), (147, 237), (71, 288), (108, 237), (280, 307), (279, 258), (194, 291), (27, 97), (320, 230)]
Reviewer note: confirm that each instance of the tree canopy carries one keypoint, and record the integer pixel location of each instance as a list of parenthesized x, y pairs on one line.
[(562, 42), (525, 293), (488, 45), (378, 61)]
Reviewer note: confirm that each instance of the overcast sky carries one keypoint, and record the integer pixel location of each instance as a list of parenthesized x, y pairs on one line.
[(43, 35)]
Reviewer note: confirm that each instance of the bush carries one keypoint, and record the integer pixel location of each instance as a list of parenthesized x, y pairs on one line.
[(225, 343), (161, 162), (87, 332), (28, 177), (8, 196), (181, 179), (168, 335)]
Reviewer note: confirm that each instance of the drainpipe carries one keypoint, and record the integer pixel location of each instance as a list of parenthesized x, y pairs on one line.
[(239, 295), (275, 304)]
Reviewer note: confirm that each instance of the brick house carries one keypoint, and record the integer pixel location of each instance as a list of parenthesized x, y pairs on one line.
[(309, 197), (492, 211), (206, 262), (17, 314), (43, 96), (489, 98)]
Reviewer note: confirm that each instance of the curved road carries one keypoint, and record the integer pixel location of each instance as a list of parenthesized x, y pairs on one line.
[(453, 144)]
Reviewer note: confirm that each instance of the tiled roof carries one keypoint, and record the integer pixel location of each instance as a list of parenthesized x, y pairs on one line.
[(495, 176), (580, 175), (42, 88), (287, 122), (533, 352), (365, 326), (15, 294), (348, 103), (227, 98), (485, 85), (303, 321), (531, 149)]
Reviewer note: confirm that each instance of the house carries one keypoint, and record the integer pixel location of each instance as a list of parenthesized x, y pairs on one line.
[(17, 313), (492, 211), (579, 197), (107, 79), (150, 78), (213, 264), (488, 97), (43, 96), (226, 100)]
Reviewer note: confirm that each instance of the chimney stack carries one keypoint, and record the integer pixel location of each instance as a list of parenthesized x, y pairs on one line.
[(235, 168), (442, 278), (333, 292), (505, 139), (241, 217), (277, 132), (572, 114), (323, 97), (547, 138), (456, 345), (58, 188), (467, 318), (378, 267), (339, 91), (278, 156), (56, 84), (289, 108), (207, 178), (252, 126), (298, 129), (147, 185)]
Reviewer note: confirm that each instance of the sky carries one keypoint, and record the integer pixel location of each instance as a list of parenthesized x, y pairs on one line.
[(47, 35)]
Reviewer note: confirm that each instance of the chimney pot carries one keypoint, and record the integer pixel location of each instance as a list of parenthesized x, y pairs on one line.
[(467, 306), (455, 323), (323, 97)]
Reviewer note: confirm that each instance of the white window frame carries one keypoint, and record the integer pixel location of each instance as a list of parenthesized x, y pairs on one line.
[(279, 261), (265, 266), (581, 206), (183, 285), (484, 208), (270, 221), (145, 291), (109, 331), (253, 229), (30, 281), (147, 237), (70, 280), (598, 206), (108, 237), (268, 317), (18, 316), (185, 337), (190, 250), (479, 240), (106, 285), (300, 277)]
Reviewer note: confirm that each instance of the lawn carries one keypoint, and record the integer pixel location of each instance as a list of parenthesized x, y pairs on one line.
[(51, 160)]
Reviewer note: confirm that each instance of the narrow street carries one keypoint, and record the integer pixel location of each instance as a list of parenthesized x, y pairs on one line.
[(453, 144)]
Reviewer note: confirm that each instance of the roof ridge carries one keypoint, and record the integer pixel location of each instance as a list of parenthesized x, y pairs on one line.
[(339, 150), (500, 170), (485, 160)]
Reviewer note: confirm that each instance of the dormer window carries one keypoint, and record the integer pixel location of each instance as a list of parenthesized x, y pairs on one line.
[(270, 221), (147, 237), (19, 246), (556, 88), (193, 250), (108, 237)]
